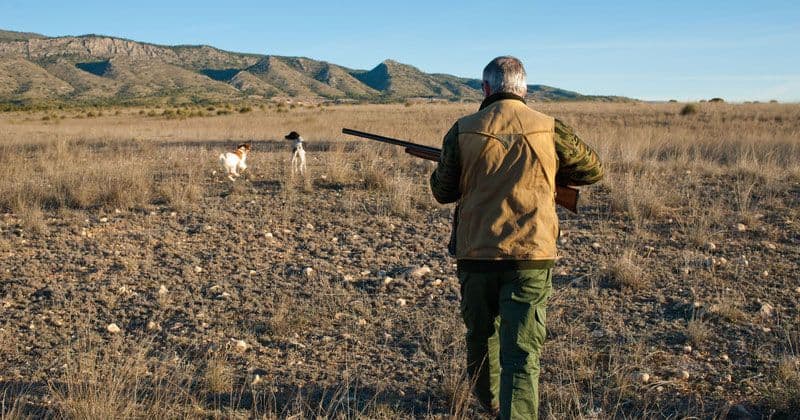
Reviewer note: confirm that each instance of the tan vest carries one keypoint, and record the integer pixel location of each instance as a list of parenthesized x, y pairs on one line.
[(507, 208)]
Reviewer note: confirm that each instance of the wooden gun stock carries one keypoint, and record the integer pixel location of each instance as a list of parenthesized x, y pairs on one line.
[(566, 196)]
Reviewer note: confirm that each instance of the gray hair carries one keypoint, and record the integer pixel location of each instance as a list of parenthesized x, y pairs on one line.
[(506, 74)]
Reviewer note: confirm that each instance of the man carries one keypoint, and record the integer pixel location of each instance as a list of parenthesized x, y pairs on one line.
[(501, 165)]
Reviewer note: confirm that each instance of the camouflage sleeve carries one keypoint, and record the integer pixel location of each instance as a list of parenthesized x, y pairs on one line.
[(445, 179), (578, 164)]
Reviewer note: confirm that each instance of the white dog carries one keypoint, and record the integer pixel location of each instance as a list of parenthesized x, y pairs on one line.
[(298, 153), (235, 162)]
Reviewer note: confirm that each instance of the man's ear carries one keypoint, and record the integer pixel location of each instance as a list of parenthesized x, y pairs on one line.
[(487, 90)]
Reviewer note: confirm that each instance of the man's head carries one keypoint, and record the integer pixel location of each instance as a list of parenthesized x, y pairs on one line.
[(505, 74)]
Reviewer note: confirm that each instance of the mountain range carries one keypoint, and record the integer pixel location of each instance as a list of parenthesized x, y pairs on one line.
[(103, 69)]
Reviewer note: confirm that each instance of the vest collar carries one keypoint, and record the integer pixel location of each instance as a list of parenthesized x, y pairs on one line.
[(498, 97)]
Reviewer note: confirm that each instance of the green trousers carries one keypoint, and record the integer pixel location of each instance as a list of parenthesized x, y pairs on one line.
[(505, 317)]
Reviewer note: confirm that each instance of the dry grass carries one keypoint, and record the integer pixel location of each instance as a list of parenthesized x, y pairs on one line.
[(662, 169)]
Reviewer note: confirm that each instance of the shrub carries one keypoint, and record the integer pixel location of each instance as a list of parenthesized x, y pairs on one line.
[(245, 109), (689, 109), (716, 100)]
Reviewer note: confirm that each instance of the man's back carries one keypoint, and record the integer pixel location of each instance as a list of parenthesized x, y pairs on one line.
[(508, 167)]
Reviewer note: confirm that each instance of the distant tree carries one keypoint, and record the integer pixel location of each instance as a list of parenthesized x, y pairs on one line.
[(717, 100)]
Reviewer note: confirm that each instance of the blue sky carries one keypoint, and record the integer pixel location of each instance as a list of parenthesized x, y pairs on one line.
[(686, 50)]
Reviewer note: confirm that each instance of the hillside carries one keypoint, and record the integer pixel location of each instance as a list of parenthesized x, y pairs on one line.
[(95, 68)]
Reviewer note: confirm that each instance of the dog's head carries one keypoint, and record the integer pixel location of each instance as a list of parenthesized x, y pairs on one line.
[(292, 136), (244, 147)]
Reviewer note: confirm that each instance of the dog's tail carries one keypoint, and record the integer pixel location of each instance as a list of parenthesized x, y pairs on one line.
[(222, 159)]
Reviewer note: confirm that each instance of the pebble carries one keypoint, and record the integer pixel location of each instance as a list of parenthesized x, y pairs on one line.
[(253, 272), (240, 345), (687, 349), (362, 322), (711, 246), (722, 261), (173, 214), (766, 310), (348, 278), (113, 328), (387, 280), (595, 245), (401, 302), (309, 226), (797, 289), (436, 283), (198, 269), (268, 235), (765, 273), (644, 377), (728, 378), (104, 220), (725, 358), (771, 246), (308, 271), (152, 326), (420, 272), (741, 227), (163, 290), (684, 375)]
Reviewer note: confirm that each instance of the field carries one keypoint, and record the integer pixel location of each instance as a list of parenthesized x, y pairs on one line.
[(332, 295)]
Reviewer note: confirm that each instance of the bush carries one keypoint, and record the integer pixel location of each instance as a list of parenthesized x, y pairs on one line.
[(245, 109), (716, 100), (689, 109)]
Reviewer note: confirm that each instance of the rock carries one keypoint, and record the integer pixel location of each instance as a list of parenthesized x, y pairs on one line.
[(104, 220), (770, 246), (173, 214), (725, 358), (362, 322), (684, 375), (436, 283), (797, 289), (643, 377), (198, 269), (253, 272), (152, 326), (765, 273), (162, 291), (595, 245), (308, 271), (420, 272), (268, 235), (710, 246), (348, 278), (113, 328), (401, 302), (722, 261), (309, 226), (387, 280), (741, 227), (687, 349), (240, 345), (766, 310)]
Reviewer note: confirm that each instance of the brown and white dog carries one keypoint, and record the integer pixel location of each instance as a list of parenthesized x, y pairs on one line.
[(235, 162), (298, 153)]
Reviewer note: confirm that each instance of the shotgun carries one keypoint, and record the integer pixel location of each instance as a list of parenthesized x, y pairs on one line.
[(566, 196)]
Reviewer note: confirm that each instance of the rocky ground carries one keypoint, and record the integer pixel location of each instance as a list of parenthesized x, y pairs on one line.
[(277, 295)]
